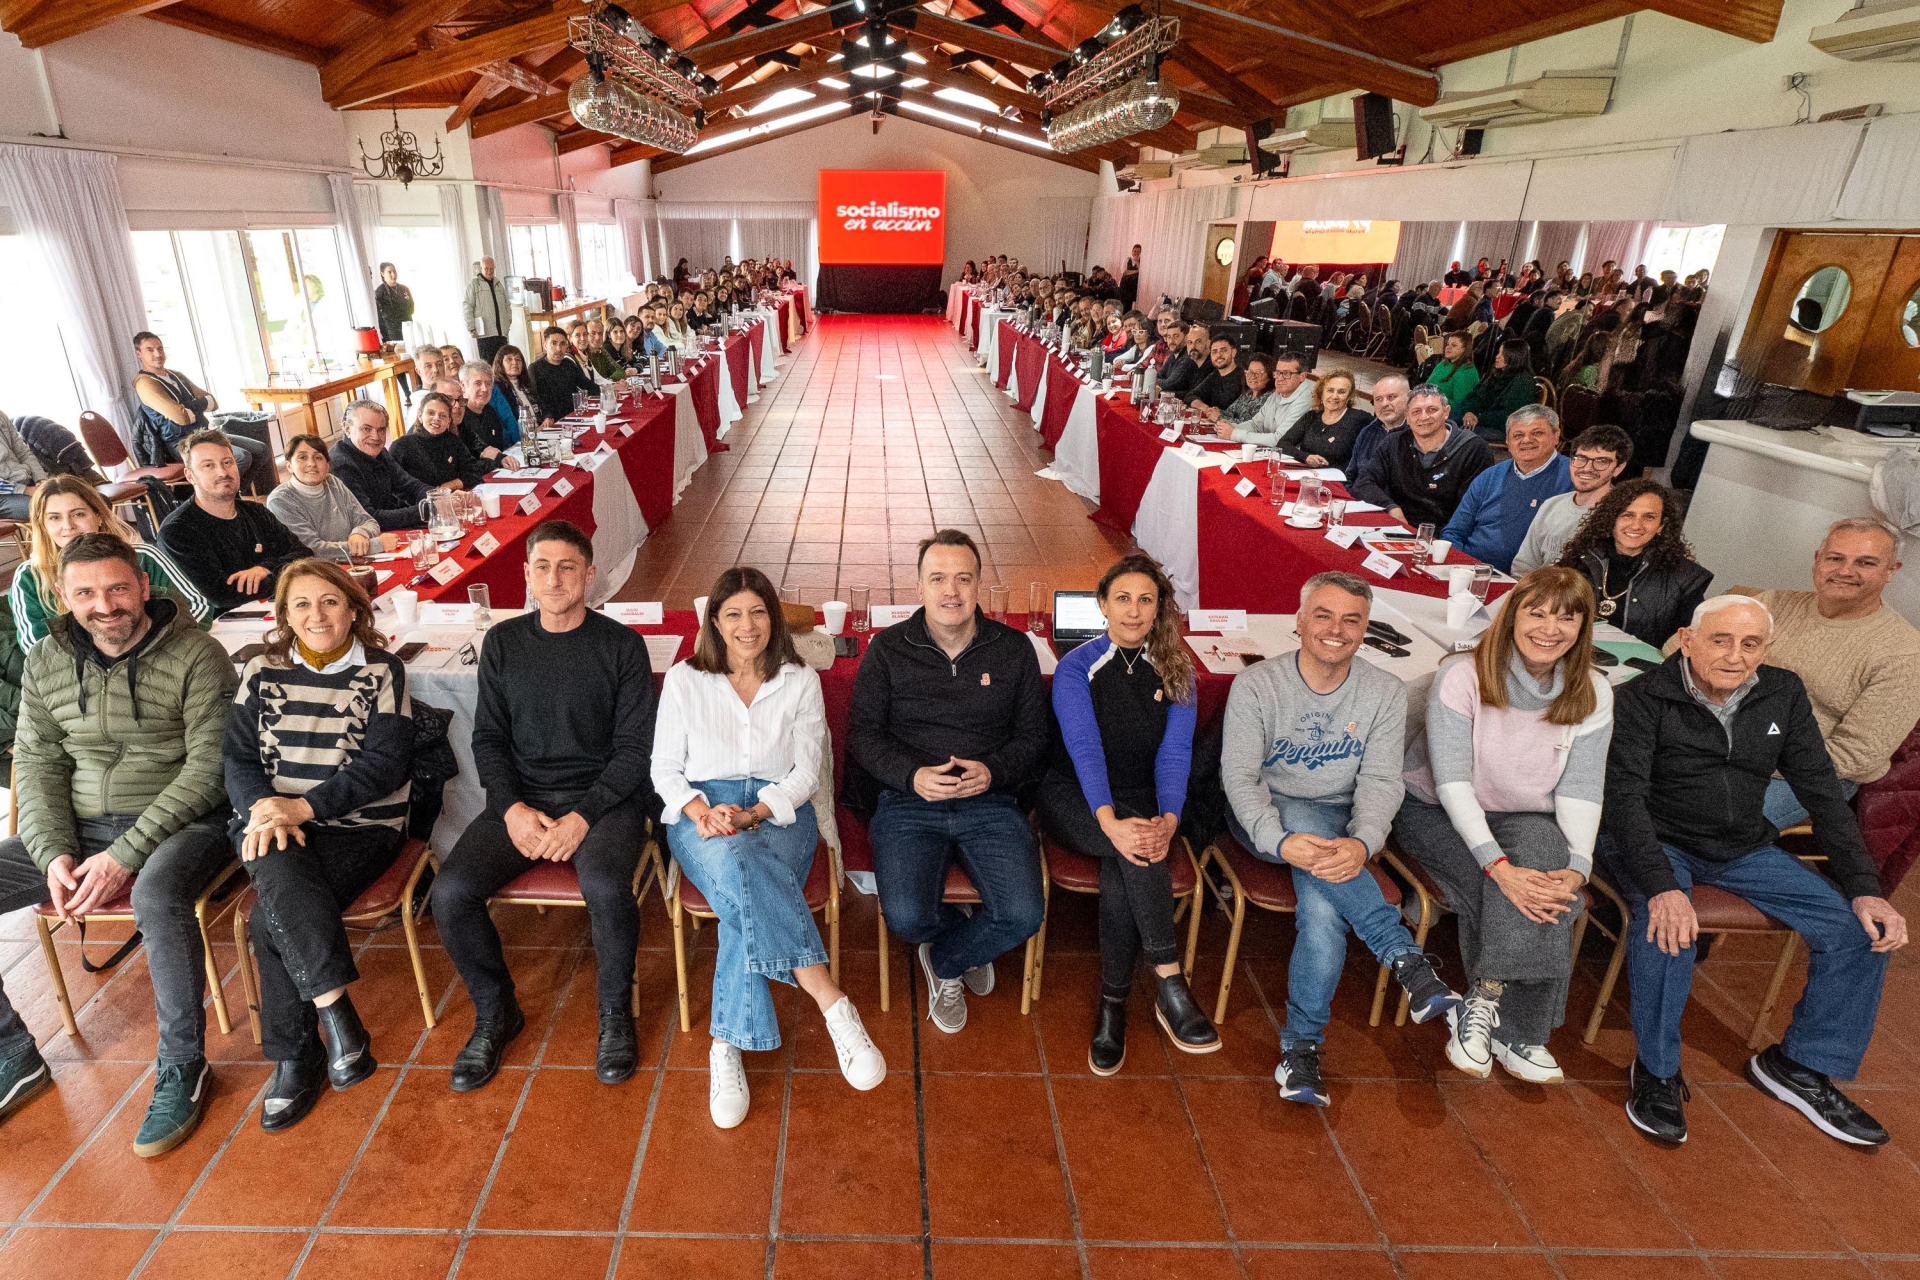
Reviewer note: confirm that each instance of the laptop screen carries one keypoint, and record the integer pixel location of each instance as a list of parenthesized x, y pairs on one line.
[(1077, 613)]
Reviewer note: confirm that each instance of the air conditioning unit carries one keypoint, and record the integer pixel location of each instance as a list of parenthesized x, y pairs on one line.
[(1216, 149), (1144, 171), (1887, 31), (1553, 95), (1328, 135)]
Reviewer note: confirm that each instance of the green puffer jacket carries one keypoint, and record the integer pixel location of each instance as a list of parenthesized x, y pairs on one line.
[(87, 745), (12, 662)]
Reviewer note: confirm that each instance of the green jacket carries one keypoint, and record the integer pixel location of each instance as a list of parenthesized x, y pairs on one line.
[(1457, 380), (607, 365), (1493, 400), (140, 737), (12, 661)]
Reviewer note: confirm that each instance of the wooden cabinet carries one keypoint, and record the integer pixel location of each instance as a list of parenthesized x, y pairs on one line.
[(1863, 346)]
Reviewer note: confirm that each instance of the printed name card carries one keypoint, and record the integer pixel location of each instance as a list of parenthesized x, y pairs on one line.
[(562, 487), (446, 615), (486, 544), (887, 615), (444, 572), (1216, 619), (1170, 434), (1246, 488), (627, 430), (634, 613), (1343, 536), (1226, 466), (529, 505), (1381, 563), (1193, 450)]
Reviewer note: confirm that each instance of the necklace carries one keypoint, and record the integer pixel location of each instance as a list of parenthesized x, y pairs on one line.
[(1609, 601), (1137, 655)]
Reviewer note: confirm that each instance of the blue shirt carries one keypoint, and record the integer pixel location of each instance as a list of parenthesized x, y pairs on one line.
[(1498, 509), (1074, 705)]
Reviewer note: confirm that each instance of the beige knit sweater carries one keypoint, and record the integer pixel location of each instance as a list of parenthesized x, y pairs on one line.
[(1862, 675)]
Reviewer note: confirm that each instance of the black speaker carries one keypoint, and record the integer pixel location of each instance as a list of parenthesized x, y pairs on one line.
[(1372, 125), (1204, 310), (1291, 337), (1263, 309), (1263, 162), (1470, 140), (1243, 334)]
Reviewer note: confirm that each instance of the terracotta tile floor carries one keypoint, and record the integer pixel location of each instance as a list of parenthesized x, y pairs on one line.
[(992, 1155)]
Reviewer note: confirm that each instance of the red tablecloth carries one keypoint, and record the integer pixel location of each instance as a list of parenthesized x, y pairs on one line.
[(738, 368), (704, 387), (1031, 360), (973, 322), (756, 339), (786, 314), (1009, 342), (801, 310), (1063, 388)]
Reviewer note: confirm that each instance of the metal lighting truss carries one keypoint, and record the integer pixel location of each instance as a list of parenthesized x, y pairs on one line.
[(1115, 92), (636, 87)]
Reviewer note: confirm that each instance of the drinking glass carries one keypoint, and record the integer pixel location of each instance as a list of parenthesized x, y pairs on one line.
[(1336, 512), (426, 552), (1482, 581), (997, 600), (1424, 537), (1039, 606), (481, 598), (859, 602), (789, 595)]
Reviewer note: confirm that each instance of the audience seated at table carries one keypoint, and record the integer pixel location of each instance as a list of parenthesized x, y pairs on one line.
[(562, 737), (65, 507), (433, 452), (947, 728), (230, 550), (1189, 361), (321, 511), (124, 704), (1857, 657), (1310, 757), (1450, 368), (556, 376), (1256, 388), (1503, 806), (1419, 475), (1504, 390), (513, 390), (361, 462), (1115, 789), (1599, 456), (317, 762), (737, 757), (429, 366), (173, 408), (1695, 746), (1222, 384), (1500, 505), (1324, 436), (1644, 576), (1389, 403), (601, 360), (486, 432)]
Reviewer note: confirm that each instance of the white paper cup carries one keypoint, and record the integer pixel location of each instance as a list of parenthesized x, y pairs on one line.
[(406, 607), (1247, 450), (700, 610), (1460, 580), (835, 613), (1439, 548), (1459, 609), (490, 503)]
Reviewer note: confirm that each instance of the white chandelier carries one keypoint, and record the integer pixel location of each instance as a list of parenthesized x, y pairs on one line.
[(636, 86), (1111, 87)]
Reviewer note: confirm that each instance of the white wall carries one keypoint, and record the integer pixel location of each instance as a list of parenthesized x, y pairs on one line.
[(993, 193)]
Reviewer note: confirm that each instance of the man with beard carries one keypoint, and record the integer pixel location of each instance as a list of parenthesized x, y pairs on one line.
[(232, 550)]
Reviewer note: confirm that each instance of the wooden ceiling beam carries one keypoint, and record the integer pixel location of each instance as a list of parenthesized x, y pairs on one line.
[(1755, 20), (580, 139), (752, 94), (469, 54), (811, 27), (1567, 20), (1088, 159), (1214, 76), (207, 24), (669, 163), (393, 37), (630, 152), (63, 18), (994, 44), (486, 123), (483, 88)]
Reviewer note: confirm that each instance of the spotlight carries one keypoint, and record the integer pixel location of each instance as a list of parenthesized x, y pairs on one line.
[(1085, 51)]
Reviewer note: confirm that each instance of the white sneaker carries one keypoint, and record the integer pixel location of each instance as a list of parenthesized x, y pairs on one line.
[(1529, 1062), (860, 1061), (1470, 1039), (979, 979), (726, 1085), (946, 998)]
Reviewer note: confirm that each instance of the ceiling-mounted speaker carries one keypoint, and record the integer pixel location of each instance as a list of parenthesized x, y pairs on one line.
[(1470, 140), (1264, 162), (1372, 125)]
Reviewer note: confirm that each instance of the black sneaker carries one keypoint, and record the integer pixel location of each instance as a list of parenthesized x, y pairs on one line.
[(1815, 1096), (1298, 1075), (23, 1077), (479, 1061), (1109, 1048), (1427, 996), (180, 1094), (293, 1089), (619, 1053), (1654, 1103)]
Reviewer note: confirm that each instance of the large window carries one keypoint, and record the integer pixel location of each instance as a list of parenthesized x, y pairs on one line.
[(35, 377), (1683, 250), (424, 258), (540, 250), (603, 263)]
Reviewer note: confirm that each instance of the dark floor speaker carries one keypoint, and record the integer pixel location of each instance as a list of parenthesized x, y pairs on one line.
[(1372, 125)]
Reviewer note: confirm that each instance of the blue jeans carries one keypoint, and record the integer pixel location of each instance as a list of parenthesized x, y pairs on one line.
[(1784, 811), (1322, 915), (913, 840), (756, 883), (1833, 1021)]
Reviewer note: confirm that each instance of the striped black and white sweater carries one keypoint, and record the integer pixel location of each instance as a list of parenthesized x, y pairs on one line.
[(340, 737)]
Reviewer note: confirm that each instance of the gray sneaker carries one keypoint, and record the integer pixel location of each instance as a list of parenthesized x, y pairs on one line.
[(946, 997), (979, 979)]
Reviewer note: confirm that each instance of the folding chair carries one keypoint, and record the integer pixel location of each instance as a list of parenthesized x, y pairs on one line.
[(557, 884), (1077, 873), (127, 485), (1269, 886), (391, 894)]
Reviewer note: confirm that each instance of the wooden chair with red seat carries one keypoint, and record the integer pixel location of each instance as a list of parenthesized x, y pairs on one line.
[(111, 456), (1076, 873), (557, 884), (1269, 886), (392, 894)]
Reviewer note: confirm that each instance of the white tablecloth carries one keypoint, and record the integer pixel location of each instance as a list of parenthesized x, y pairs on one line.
[(957, 294), (989, 352)]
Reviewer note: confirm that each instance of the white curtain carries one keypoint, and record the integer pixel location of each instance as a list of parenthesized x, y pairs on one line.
[(1556, 243), (1064, 221), (570, 224), (706, 232), (1494, 241), (1425, 251), (634, 217), (356, 237), (454, 222), (1172, 225), (1885, 183), (1791, 174), (494, 241), (1613, 242), (68, 206)]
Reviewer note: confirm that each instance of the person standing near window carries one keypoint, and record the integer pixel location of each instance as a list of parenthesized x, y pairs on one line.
[(392, 304), (488, 311)]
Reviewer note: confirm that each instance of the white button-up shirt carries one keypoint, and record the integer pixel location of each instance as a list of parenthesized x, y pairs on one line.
[(704, 733)]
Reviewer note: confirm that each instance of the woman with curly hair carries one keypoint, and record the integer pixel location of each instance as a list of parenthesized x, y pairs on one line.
[(317, 754), (1644, 576), (1126, 704)]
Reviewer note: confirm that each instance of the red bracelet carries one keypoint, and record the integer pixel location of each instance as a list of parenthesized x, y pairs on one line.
[(1496, 862)]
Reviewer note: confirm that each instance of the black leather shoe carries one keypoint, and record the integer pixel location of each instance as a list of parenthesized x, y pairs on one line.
[(1174, 1008), (1815, 1096), (1109, 1047), (293, 1088), (349, 1048), (619, 1051), (1654, 1103), (479, 1061)]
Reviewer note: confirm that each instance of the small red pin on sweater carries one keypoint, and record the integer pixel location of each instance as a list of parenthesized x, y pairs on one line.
[(986, 678)]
